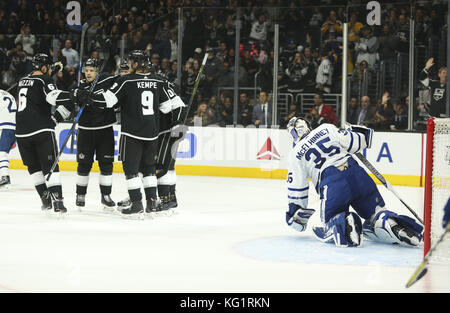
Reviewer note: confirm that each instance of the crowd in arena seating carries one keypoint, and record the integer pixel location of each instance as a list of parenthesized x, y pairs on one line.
[(310, 55)]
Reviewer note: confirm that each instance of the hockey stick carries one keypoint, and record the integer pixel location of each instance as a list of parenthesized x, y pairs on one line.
[(186, 114), (197, 81), (84, 29), (383, 180), (386, 183), (421, 269), (72, 129)]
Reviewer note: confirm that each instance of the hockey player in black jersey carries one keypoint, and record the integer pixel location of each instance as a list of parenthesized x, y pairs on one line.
[(35, 128), (170, 134), (95, 136), (142, 97)]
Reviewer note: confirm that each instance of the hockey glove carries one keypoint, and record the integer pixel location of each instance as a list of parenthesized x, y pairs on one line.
[(367, 132), (81, 97), (178, 131), (297, 217)]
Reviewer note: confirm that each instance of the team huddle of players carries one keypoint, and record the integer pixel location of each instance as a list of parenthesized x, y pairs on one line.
[(149, 111)]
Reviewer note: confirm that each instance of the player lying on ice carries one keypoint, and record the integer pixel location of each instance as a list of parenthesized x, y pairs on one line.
[(325, 155)]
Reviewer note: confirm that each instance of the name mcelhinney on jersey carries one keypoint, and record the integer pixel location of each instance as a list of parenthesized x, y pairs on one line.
[(311, 141)]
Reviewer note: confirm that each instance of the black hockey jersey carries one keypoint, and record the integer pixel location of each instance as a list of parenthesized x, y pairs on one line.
[(438, 94), (94, 117), (36, 96), (141, 98)]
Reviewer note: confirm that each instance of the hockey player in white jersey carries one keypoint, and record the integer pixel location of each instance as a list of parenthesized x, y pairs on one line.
[(8, 110), (324, 155)]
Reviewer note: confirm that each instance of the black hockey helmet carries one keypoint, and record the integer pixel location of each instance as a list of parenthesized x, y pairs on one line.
[(91, 63), (40, 60), (140, 57)]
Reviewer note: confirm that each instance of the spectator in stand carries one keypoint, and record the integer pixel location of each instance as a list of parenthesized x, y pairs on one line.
[(250, 66), (366, 113), (324, 77), (262, 112), (27, 40), (367, 47), (384, 116), (387, 51), (260, 27), (173, 47), (332, 26), (295, 72), (164, 69), (400, 121), (226, 112), (402, 34), (293, 111), (202, 114), (437, 89), (245, 109), (311, 68), (322, 111), (71, 55), (225, 78), (211, 71), (353, 109)]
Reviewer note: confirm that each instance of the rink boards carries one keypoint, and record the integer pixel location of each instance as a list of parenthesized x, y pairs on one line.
[(261, 153)]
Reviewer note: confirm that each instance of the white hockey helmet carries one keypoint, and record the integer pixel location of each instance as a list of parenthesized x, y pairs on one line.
[(298, 128)]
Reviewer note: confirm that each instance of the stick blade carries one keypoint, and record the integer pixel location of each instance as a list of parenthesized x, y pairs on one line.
[(418, 274)]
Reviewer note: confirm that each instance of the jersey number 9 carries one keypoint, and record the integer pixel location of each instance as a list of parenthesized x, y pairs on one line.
[(147, 102)]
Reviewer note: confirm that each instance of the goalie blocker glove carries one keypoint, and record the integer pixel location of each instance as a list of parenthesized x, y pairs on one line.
[(367, 132), (297, 217)]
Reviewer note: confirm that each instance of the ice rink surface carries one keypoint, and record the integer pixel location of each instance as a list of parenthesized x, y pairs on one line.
[(229, 235)]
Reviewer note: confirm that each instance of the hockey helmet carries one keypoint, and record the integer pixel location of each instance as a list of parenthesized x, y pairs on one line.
[(140, 57), (298, 128), (40, 60), (91, 63)]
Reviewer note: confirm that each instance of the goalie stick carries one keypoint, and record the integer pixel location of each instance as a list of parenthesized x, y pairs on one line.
[(421, 269), (72, 129), (383, 180), (386, 184)]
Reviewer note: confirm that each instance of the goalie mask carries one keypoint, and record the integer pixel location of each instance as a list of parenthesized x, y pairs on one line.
[(298, 128)]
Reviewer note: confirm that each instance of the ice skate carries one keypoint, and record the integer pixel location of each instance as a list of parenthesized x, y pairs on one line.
[(125, 203), (165, 206), (5, 182), (108, 204), (59, 209), (80, 202), (135, 211), (46, 202), (151, 210)]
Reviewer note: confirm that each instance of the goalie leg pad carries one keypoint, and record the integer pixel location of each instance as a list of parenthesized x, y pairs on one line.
[(344, 229), (389, 227)]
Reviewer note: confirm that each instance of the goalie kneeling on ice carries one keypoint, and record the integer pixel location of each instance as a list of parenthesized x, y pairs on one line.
[(324, 155)]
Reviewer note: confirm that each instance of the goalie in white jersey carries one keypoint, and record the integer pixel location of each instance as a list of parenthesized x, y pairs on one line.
[(325, 156), (8, 110)]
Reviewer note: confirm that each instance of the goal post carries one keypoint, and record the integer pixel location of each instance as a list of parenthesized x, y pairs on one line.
[(437, 185)]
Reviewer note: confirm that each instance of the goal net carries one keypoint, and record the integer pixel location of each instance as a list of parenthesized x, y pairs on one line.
[(437, 186)]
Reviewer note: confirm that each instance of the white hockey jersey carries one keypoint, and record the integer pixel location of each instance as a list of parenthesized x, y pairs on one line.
[(8, 108), (323, 147)]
